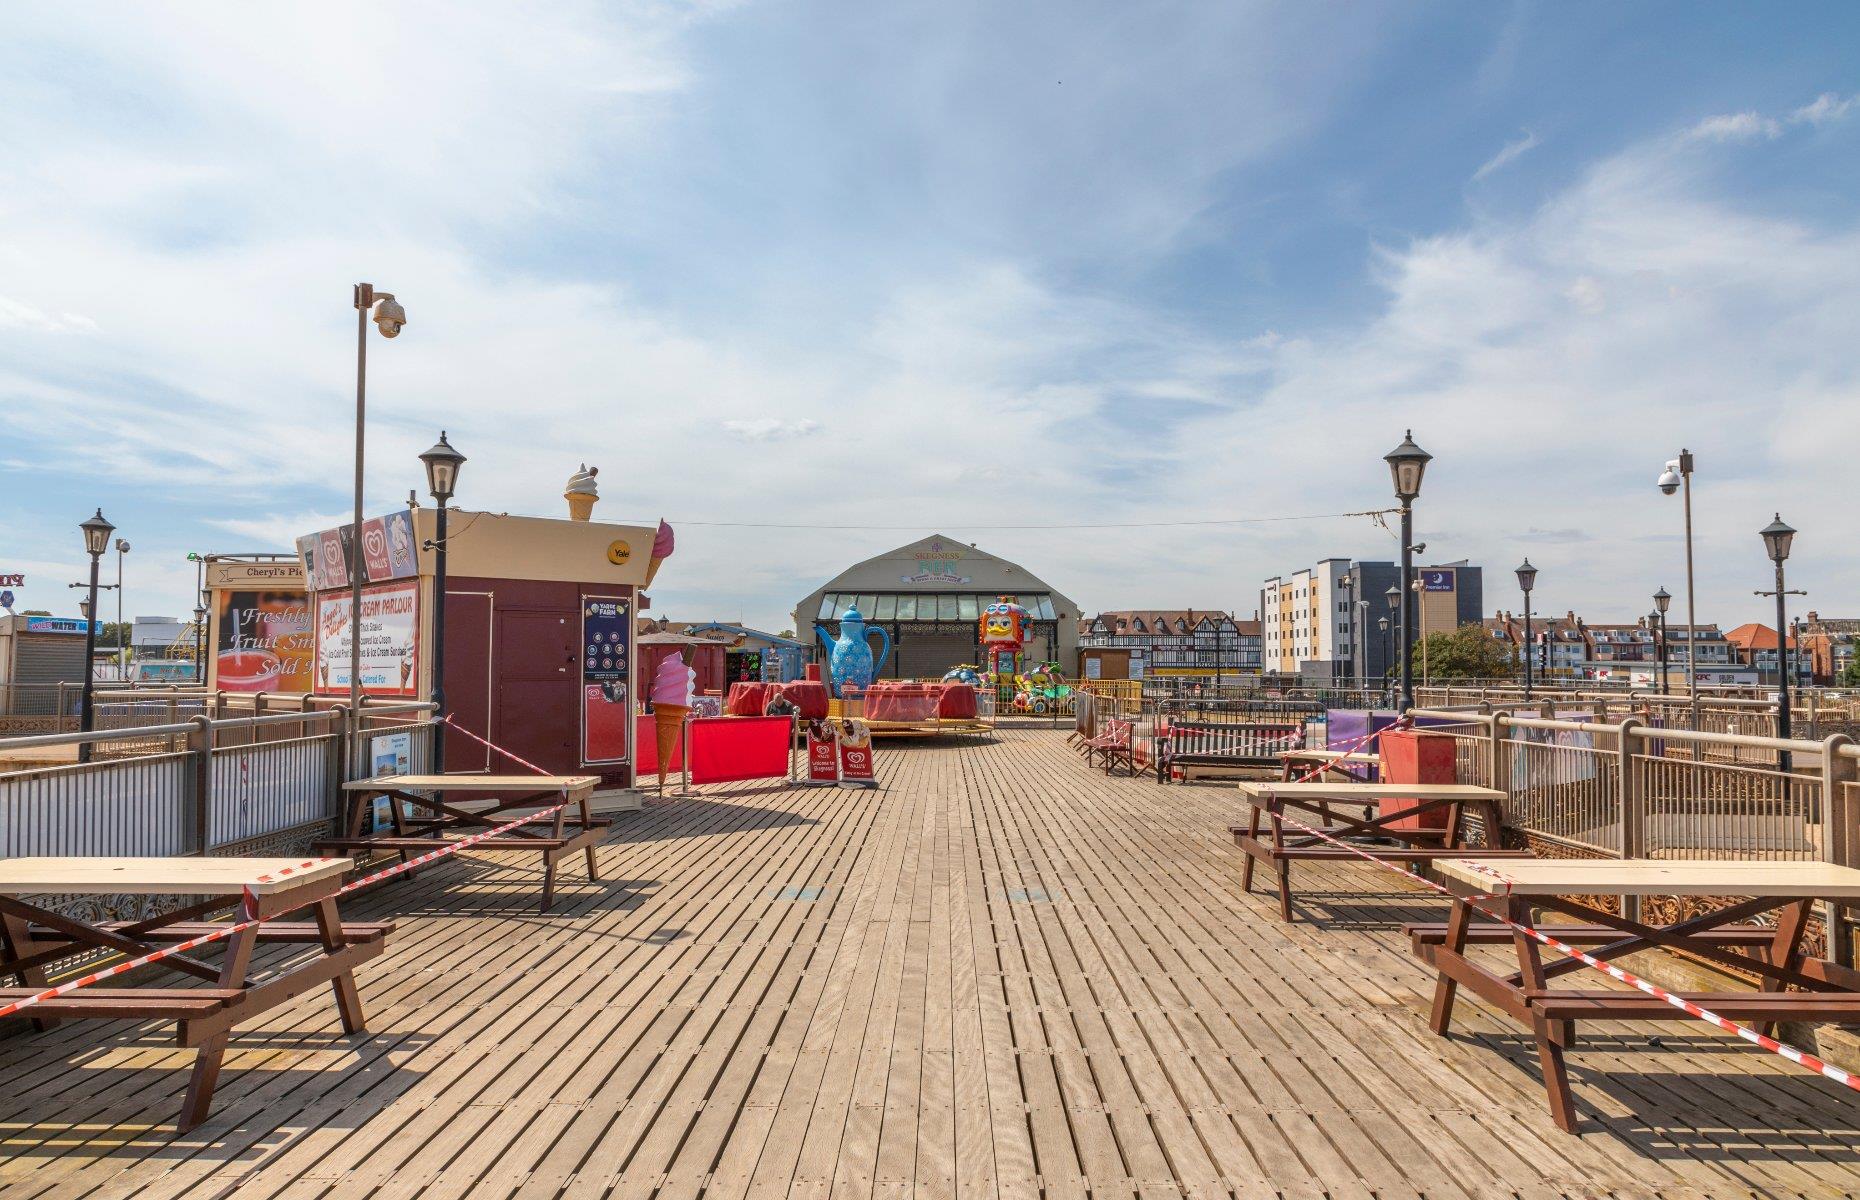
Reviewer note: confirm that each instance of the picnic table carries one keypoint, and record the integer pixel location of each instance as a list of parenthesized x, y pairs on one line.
[(507, 794), (1417, 841), (33, 938), (1348, 765), (1722, 935)]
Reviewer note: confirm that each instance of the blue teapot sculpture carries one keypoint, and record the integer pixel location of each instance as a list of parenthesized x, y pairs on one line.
[(849, 659)]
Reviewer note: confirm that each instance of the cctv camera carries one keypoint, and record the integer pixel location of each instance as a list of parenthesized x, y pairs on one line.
[(390, 316)]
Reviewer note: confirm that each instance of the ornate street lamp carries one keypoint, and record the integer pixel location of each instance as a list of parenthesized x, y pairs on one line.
[(97, 533), (1407, 464), (442, 476), (1777, 538), (1661, 599), (1527, 579)]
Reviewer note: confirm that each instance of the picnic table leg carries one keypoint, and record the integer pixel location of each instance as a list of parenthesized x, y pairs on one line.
[(16, 940), (1252, 833), (1283, 863), (348, 1000), (1549, 1043), (587, 823), (1441, 1018), (207, 1060), (1785, 950)]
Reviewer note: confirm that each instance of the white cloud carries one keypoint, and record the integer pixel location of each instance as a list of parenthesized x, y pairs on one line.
[(1731, 127), (1826, 107), (770, 429), (1509, 153)]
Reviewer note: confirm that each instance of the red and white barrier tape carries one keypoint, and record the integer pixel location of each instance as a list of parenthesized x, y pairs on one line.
[(1782, 1049), (249, 899)]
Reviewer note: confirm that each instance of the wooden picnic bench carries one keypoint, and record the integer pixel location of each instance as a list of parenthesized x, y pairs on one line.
[(1417, 843), (35, 938), (417, 833), (1722, 935), (1347, 766)]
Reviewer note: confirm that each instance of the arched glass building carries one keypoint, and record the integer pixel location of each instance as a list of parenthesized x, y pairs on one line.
[(929, 596)]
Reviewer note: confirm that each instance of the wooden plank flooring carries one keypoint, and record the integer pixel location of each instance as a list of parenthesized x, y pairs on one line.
[(1000, 975)]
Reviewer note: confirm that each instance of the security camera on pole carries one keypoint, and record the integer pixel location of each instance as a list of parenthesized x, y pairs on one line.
[(389, 316)]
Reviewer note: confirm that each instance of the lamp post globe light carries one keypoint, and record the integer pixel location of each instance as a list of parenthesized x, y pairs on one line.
[(442, 475), (97, 533), (1407, 464), (389, 317), (1527, 579), (1676, 477), (1661, 599)]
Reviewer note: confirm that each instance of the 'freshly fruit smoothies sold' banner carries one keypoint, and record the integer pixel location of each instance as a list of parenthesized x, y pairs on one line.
[(265, 641), (390, 640)]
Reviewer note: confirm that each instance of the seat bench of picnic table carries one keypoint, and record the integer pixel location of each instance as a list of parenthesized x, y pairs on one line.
[(1490, 933), (301, 932), (128, 1004), (1270, 800)]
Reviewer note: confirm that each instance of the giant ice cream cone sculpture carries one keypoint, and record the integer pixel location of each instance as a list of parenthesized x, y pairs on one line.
[(581, 493), (662, 544), (674, 690)]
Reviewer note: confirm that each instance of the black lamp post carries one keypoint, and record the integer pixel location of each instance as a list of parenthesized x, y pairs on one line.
[(1393, 596), (1661, 599), (1776, 539), (97, 533), (1384, 623), (442, 477), (1527, 579), (200, 644), (1407, 464)]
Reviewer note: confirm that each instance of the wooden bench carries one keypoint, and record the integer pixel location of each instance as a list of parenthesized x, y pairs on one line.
[(1224, 749), (1416, 843)]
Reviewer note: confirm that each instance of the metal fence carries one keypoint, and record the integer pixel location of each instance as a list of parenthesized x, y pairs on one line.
[(196, 786)]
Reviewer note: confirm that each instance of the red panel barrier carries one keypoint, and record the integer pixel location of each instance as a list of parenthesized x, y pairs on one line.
[(727, 749), (646, 749)]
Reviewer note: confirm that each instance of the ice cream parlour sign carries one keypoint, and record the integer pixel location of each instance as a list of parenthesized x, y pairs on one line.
[(939, 563), (390, 640)]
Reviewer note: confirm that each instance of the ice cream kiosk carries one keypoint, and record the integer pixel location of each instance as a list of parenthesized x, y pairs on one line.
[(539, 653)]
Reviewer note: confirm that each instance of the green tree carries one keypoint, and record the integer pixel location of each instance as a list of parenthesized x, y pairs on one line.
[(1469, 652), (1850, 674)]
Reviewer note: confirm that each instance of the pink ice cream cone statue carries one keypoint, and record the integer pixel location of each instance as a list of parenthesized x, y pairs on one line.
[(662, 546), (674, 691)]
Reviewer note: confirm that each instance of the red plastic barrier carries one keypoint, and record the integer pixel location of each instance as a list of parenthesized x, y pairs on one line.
[(646, 749), (727, 749)]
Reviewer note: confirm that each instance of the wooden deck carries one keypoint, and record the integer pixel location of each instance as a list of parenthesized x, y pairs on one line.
[(1002, 975)]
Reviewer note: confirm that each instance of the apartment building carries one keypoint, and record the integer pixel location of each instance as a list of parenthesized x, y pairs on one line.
[(1338, 619)]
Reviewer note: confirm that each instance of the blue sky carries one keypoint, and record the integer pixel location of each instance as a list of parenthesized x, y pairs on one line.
[(945, 267)]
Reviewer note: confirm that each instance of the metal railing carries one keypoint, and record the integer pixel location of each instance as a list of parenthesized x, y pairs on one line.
[(197, 786)]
